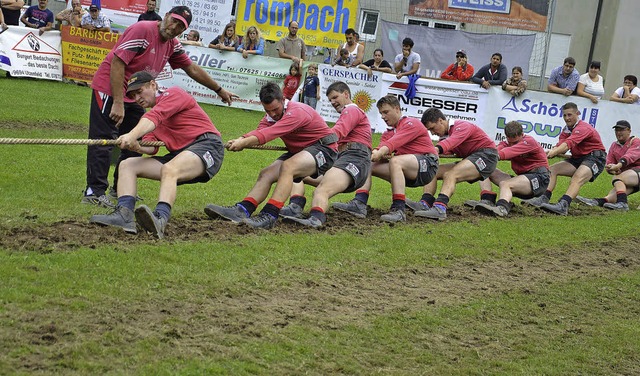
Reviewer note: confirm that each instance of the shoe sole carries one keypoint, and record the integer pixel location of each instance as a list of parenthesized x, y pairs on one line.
[(133, 230), (357, 215), (389, 220), (209, 211), (418, 214), (247, 222), (144, 217), (551, 211), (471, 204), (297, 221), (487, 211)]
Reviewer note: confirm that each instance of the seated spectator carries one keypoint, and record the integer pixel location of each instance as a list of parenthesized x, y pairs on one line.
[(38, 17), (407, 62), (494, 73), (515, 84), (461, 70), (252, 44), (72, 16), (564, 79), (150, 14), (192, 39), (628, 92), (343, 60), (591, 83), (228, 40), (376, 64), (96, 21)]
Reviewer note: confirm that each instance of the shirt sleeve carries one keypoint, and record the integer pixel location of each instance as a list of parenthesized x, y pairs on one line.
[(447, 73), (457, 137), (260, 48)]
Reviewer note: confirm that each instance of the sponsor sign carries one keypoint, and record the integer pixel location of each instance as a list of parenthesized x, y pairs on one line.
[(24, 53), (83, 50), (209, 16)]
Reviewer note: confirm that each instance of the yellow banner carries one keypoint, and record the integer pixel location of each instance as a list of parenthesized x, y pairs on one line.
[(322, 22)]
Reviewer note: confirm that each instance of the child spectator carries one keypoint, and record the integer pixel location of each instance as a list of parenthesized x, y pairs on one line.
[(291, 82), (515, 85), (344, 59), (311, 91)]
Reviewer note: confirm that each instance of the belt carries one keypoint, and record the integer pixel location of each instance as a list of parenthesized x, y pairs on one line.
[(538, 170), (328, 139), (353, 146), (598, 153), (205, 136)]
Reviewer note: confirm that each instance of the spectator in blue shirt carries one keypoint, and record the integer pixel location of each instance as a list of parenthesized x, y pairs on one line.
[(494, 73), (252, 43), (38, 17), (564, 79)]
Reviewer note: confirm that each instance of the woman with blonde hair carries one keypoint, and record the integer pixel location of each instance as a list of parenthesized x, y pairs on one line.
[(252, 43), (228, 40)]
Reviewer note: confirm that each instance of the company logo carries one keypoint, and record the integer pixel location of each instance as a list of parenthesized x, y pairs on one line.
[(31, 43), (363, 100)]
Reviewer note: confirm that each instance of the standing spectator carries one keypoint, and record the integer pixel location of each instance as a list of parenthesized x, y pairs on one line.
[(150, 14), (586, 163), (515, 84), (461, 70), (311, 87), (623, 162), (407, 62), (195, 153), (38, 17), (292, 47), (354, 49), (564, 79), (3, 26), (143, 46), (228, 40), (591, 83), (192, 39), (11, 11), (628, 92), (72, 16), (494, 73), (95, 21), (252, 44), (311, 149), (377, 63), (292, 81)]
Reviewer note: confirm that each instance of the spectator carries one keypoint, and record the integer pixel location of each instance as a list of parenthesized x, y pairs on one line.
[(311, 87), (494, 73), (150, 14), (344, 59), (228, 40), (11, 11), (192, 39), (407, 62), (38, 17), (292, 47), (628, 92), (591, 83), (3, 26), (252, 44), (354, 49), (623, 162), (292, 81), (461, 70), (72, 16), (515, 84), (377, 63), (96, 21), (564, 79)]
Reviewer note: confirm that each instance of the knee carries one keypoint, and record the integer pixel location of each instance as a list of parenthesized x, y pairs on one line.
[(168, 171)]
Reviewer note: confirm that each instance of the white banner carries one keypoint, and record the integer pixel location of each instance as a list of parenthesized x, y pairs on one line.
[(209, 16), (24, 53)]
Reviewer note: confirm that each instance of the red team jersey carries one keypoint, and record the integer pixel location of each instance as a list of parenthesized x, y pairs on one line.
[(353, 126), (464, 139), (526, 155), (410, 137), (582, 139), (630, 151)]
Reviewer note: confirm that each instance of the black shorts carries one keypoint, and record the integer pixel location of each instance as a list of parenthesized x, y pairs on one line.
[(594, 160), (356, 163), (637, 171), (323, 154), (485, 160), (210, 150), (427, 168), (539, 181)]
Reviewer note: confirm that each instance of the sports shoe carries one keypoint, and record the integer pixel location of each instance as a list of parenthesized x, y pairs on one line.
[(113, 194), (561, 207), (235, 214), (472, 203), (395, 215), (309, 222), (150, 222), (102, 200), (587, 201), (498, 210), (353, 207), (119, 217), (262, 220), (536, 201), (292, 210), (435, 212), (616, 206), (416, 205)]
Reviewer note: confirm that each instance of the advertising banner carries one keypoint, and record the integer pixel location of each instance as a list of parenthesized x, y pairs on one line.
[(121, 13), (209, 16), (25, 53), (83, 50)]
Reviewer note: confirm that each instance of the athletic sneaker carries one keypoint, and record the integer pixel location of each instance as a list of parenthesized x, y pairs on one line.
[(102, 200), (353, 207), (498, 210), (235, 213), (416, 205), (435, 212), (561, 207), (150, 222), (292, 210), (262, 220), (395, 215), (309, 222), (623, 206), (587, 201), (472, 203), (536, 201), (119, 217)]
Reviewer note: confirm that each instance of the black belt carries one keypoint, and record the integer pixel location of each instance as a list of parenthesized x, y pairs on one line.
[(328, 139), (206, 135), (598, 153), (353, 146), (538, 170)]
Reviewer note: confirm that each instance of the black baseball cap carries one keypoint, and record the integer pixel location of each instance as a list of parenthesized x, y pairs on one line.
[(94, 6), (138, 79), (181, 13), (622, 124)]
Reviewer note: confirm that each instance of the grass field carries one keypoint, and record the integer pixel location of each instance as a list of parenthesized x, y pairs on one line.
[(531, 294)]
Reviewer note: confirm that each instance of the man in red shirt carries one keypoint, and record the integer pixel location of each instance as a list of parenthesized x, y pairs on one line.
[(311, 146), (623, 162), (148, 46), (195, 153), (586, 163)]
